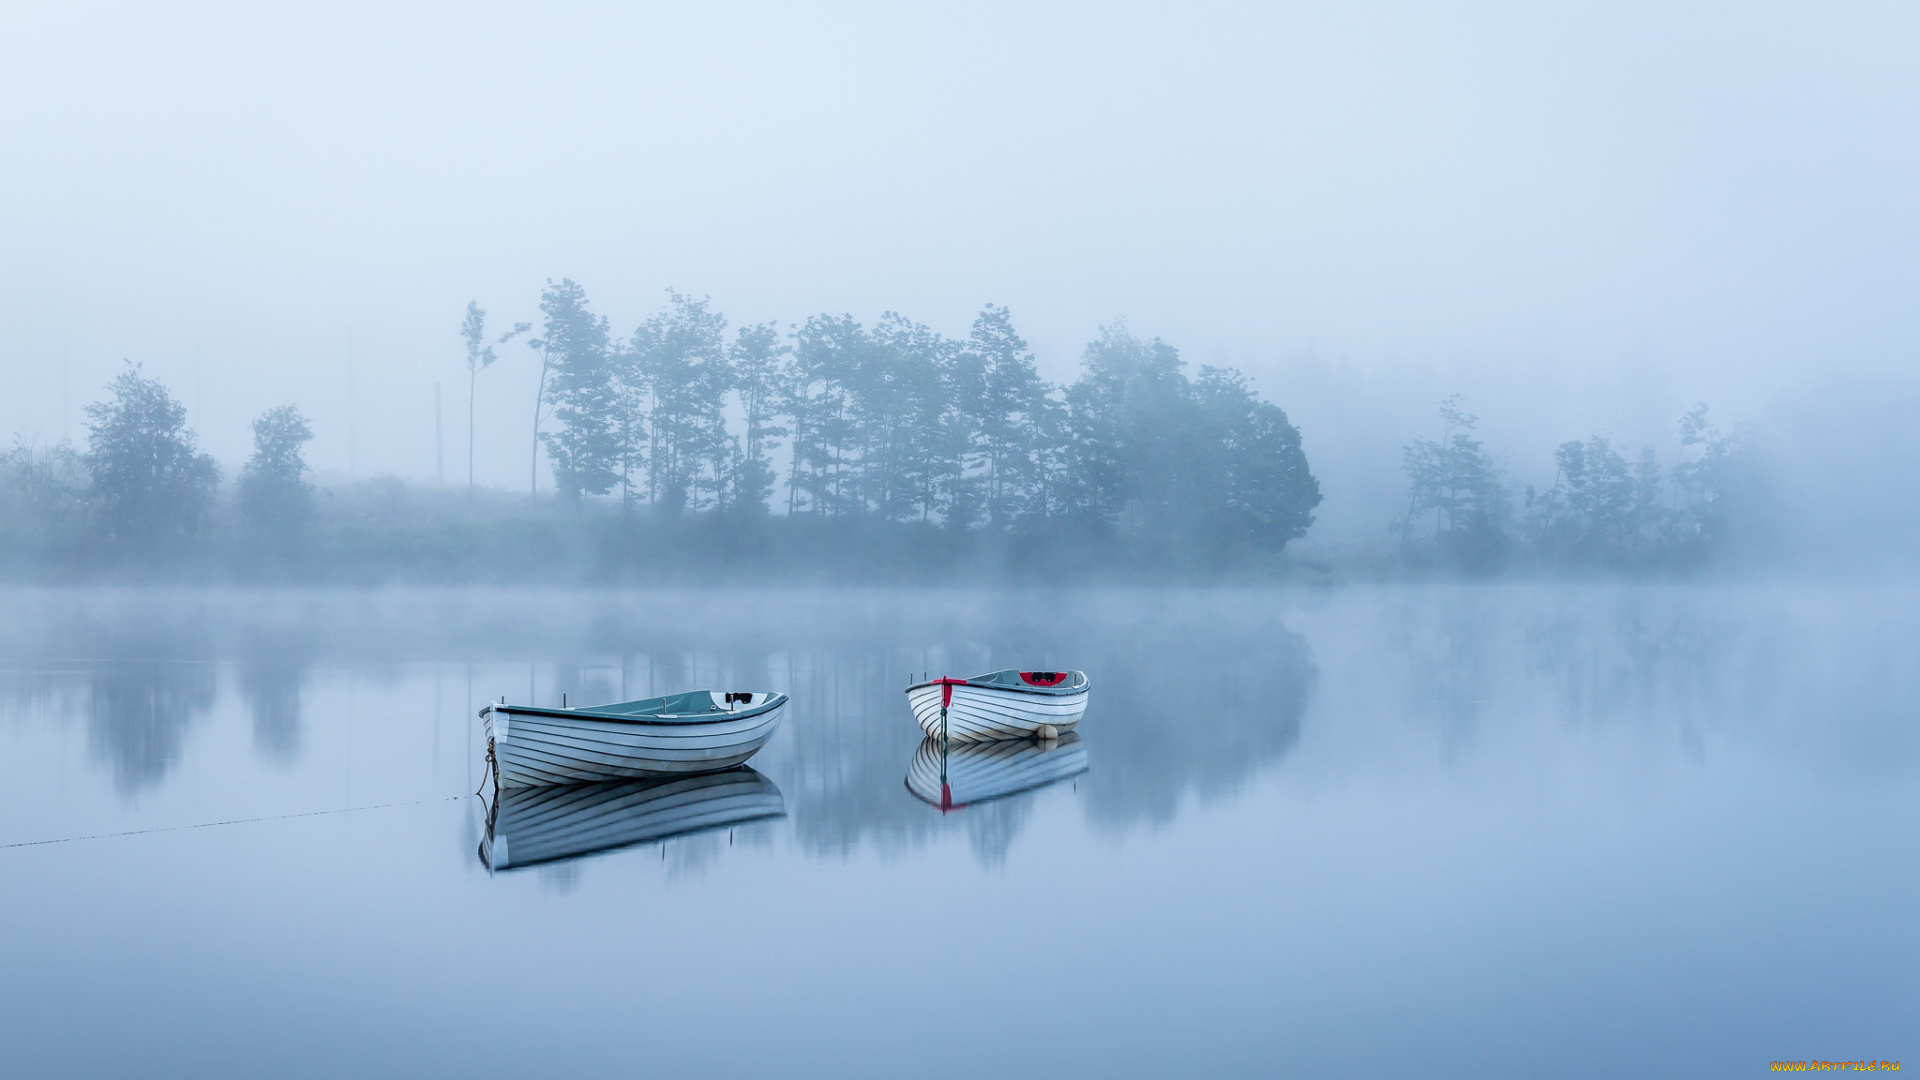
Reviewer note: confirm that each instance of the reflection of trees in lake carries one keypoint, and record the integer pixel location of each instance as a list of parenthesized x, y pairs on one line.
[(1677, 659), (1442, 654), (846, 751), (138, 714), (992, 826), (137, 666), (52, 693), (272, 673), (1589, 654), (1190, 708)]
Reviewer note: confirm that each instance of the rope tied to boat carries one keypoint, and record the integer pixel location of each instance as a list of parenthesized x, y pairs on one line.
[(217, 824), (946, 699), (492, 769)]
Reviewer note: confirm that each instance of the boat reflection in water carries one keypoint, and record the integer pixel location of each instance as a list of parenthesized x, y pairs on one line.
[(966, 773), (526, 826)]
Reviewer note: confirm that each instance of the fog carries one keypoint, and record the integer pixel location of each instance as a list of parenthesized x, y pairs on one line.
[(1460, 456), (1585, 220)]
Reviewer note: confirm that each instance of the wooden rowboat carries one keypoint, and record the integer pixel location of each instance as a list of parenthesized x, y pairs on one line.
[(964, 774), (526, 826), (1000, 705), (696, 732)]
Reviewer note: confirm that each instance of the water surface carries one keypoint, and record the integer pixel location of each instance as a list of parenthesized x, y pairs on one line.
[(1431, 830)]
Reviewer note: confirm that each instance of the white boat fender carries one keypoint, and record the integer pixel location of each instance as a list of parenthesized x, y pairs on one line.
[(1045, 733)]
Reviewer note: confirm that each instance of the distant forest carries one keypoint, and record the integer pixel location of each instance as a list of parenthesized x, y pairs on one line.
[(896, 423), (834, 450), (1602, 511)]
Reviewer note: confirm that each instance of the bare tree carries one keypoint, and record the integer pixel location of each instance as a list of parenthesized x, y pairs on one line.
[(480, 356)]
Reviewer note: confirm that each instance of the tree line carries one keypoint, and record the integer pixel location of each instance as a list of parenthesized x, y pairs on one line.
[(895, 422), (1603, 510), (142, 483), (713, 443), (889, 426)]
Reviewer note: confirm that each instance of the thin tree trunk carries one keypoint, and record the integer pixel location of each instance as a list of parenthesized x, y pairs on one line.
[(533, 468), (793, 473), (472, 376)]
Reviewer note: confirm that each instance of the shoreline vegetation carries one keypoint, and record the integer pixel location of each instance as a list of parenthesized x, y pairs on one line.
[(842, 452)]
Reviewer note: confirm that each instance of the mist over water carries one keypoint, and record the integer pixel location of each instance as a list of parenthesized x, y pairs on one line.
[(1467, 449), (1385, 827)]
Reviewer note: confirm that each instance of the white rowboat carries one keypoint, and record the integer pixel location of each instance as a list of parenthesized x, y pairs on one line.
[(696, 732), (1000, 705), (526, 826)]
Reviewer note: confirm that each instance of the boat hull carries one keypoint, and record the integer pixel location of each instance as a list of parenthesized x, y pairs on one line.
[(537, 748), (527, 826), (985, 713), (983, 771)]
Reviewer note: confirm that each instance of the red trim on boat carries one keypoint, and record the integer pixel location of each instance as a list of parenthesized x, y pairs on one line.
[(946, 689)]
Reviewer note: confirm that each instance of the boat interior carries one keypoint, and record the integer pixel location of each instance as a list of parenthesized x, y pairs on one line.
[(1058, 681), (691, 703)]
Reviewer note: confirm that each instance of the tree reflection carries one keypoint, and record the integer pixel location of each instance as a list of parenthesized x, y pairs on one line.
[(138, 714), (271, 686), (1182, 711)]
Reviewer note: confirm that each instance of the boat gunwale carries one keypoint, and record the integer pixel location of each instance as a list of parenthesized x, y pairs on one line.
[(591, 712), (1037, 691)]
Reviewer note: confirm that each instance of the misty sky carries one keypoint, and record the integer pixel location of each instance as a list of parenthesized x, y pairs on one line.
[(1584, 216)]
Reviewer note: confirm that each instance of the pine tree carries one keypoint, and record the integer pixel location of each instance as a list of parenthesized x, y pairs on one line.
[(1722, 486), (578, 382), (757, 357), (1456, 480), (826, 352), (680, 357), (894, 402), (1007, 398), (1131, 429)]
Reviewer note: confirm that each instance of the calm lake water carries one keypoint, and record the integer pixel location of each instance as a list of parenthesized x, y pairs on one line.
[(1448, 830)]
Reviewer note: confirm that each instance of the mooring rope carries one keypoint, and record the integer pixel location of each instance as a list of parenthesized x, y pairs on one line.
[(493, 764), (234, 821)]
